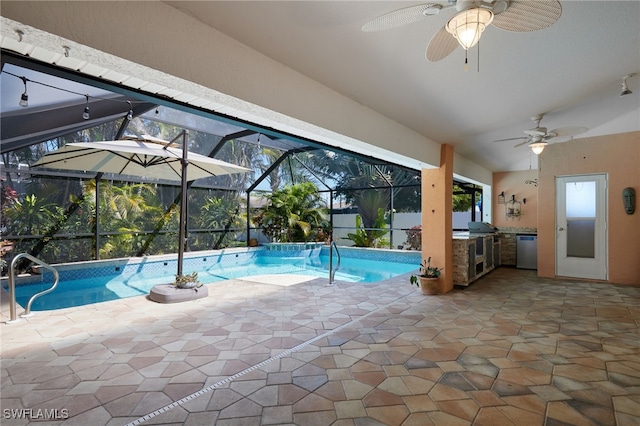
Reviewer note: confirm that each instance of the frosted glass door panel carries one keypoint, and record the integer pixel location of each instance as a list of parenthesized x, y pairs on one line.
[(581, 238), (581, 214), (581, 199)]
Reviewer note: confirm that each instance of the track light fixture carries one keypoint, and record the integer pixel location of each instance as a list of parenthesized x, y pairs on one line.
[(625, 88), (24, 98), (85, 114)]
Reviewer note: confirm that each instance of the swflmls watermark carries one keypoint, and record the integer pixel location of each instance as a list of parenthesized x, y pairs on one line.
[(35, 414)]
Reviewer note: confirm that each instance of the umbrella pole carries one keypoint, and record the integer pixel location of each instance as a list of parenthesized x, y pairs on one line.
[(182, 234)]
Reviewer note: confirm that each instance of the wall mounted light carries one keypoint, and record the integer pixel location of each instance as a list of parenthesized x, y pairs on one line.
[(501, 198), (625, 88)]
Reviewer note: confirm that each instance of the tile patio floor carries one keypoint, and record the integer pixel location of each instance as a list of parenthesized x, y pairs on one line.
[(512, 349)]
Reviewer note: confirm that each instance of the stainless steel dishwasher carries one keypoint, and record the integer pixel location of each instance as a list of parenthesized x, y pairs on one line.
[(527, 251)]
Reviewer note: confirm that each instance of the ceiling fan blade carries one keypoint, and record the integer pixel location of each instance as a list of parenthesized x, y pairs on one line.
[(404, 16), (526, 15), (558, 139), (521, 143), (568, 131), (441, 46), (512, 139)]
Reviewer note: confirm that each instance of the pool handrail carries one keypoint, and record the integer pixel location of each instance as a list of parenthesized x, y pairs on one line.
[(12, 285), (332, 272)]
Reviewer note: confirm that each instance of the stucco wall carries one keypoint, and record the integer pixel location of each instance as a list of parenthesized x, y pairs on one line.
[(513, 183), (618, 156)]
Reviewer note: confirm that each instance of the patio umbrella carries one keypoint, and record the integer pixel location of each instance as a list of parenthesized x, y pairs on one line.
[(147, 157)]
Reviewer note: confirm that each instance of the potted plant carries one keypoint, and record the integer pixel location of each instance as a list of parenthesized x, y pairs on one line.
[(177, 291), (428, 278), (188, 281)]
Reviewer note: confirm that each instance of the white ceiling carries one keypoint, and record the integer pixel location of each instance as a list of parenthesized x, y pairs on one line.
[(571, 71)]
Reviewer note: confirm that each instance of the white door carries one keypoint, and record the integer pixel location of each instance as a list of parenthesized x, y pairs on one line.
[(581, 226)]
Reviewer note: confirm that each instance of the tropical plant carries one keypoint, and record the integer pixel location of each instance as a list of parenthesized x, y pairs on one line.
[(187, 281), (294, 213), (462, 201), (370, 204), (219, 214), (369, 237), (353, 175), (30, 215), (126, 210), (426, 271), (234, 151), (129, 204), (414, 237), (5, 247), (9, 196)]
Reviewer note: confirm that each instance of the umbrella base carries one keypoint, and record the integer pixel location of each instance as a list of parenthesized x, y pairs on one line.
[(168, 293)]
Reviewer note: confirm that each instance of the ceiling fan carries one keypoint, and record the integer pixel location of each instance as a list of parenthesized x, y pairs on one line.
[(539, 137), (472, 17)]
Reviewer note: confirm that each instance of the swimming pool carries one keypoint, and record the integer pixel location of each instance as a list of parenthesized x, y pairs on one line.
[(100, 281)]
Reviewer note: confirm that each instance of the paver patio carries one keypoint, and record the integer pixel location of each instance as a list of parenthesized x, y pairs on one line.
[(511, 349)]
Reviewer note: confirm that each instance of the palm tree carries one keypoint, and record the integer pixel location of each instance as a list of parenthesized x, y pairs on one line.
[(294, 213), (29, 216), (126, 209), (219, 213)]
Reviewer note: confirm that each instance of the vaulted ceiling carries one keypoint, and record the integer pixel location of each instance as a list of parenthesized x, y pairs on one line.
[(571, 71)]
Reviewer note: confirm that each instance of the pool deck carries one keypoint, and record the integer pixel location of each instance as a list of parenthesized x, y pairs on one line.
[(511, 349)]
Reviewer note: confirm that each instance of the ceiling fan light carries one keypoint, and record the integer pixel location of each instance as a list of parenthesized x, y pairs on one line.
[(468, 25), (537, 147)]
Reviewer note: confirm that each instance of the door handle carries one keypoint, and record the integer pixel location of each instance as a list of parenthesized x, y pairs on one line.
[(561, 229)]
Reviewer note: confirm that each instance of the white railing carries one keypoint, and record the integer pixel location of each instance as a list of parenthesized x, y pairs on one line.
[(12, 286), (332, 272)]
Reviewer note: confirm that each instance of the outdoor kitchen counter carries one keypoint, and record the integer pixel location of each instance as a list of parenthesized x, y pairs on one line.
[(466, 235), (474, 255), (508, 242)]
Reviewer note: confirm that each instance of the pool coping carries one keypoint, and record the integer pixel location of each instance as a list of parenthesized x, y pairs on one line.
[(105, 267), (393, 255)]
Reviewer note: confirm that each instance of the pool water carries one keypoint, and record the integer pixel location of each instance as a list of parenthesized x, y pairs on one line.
[(83, 291)]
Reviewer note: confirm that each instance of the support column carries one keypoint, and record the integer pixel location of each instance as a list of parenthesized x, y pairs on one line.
[(437, 217)]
